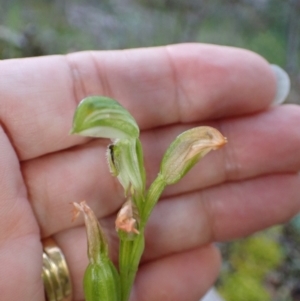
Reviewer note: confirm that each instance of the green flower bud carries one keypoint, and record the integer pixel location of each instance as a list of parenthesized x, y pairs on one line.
[(187, 149), (101, 282), (99, 116), (101, 279)]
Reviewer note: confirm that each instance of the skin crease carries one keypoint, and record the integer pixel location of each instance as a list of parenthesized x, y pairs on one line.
[(250, 184)]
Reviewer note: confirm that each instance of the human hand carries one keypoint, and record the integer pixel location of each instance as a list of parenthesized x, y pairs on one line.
[(248, 185)]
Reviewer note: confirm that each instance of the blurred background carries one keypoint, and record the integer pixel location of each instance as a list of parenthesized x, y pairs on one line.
[(38, 27), (265, 266)]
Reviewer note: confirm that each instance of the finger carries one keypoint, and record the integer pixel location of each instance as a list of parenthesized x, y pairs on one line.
[(221, 213), (75, 174), (20, 247), (226, 212), (21, 268), (260, 144), (193, 220), (200, 264), (185, 276), (164, 85), (73, 243)]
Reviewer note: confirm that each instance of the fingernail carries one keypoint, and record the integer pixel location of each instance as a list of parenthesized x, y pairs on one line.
[(283, 85)]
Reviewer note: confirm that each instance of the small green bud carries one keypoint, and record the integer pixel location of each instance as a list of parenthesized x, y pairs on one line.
[(101, 282), (187, 149), (99, 116)]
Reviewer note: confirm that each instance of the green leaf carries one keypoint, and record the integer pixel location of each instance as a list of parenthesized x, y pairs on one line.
[(99, 116)]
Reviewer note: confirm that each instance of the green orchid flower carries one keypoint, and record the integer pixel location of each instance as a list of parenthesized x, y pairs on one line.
[(103, 117)]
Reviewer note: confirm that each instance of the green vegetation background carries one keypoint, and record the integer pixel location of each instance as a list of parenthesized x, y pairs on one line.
[(265, 266), (269, 27)]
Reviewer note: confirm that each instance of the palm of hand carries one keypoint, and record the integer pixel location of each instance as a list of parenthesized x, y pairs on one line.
[(168, 90)]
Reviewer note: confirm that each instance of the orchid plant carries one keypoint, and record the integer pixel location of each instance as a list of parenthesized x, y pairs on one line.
[(103, 117)]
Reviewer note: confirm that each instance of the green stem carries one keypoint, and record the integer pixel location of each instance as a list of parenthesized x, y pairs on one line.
[(124, 264), (152, 196), (130, 255), (131, 250)]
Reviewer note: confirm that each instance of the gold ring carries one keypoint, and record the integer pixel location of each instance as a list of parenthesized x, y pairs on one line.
[(55, 274)]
